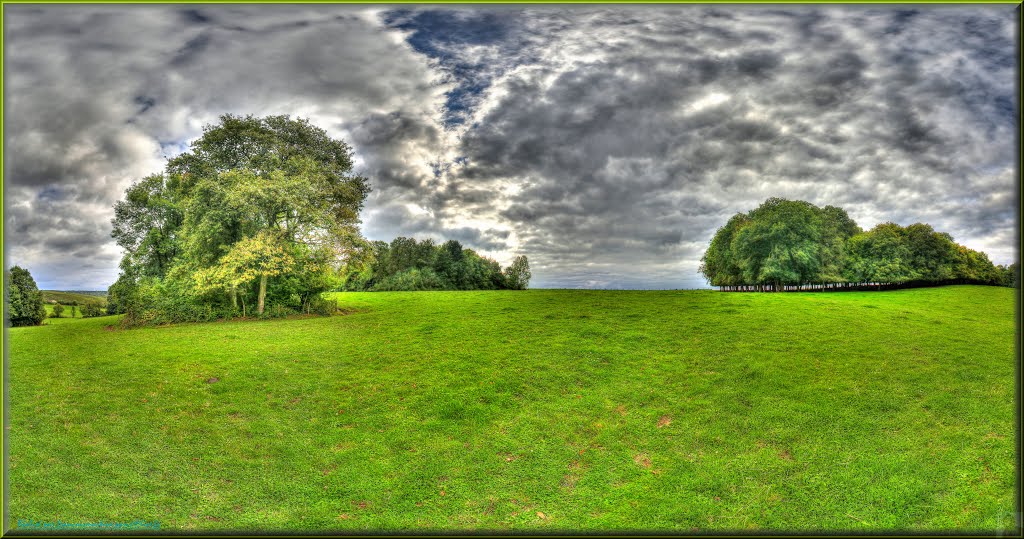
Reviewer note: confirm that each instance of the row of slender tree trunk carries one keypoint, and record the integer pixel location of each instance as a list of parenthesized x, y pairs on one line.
[(840, 287)]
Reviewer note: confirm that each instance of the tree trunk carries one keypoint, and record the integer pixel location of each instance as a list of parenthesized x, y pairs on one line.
[(263, 294), (234, 297)]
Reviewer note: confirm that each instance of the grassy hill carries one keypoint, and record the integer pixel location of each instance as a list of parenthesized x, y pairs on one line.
[(537, 410), (82, 297)]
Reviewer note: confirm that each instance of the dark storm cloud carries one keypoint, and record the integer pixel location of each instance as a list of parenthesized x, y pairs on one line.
[(97, 97), (823, 105), (194, 16), (394, 138), (606, 143), (393, 221)]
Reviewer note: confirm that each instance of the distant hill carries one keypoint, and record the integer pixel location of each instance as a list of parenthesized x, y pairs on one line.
[(98, 293), (80, 297)]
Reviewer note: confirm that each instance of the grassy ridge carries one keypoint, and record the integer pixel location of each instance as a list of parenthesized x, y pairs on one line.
[(530, 410), (65, 298)]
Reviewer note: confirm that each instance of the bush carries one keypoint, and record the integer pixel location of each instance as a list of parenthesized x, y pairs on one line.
[(323, 306), (156, 303), (58, 310), (276, 311), (90, 310), (151, 301), (412, 279)]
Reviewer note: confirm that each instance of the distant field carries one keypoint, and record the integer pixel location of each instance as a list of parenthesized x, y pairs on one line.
[(82, 298), (537, 410)]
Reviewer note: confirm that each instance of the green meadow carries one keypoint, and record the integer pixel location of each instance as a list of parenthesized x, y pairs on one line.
[(66, 298), (537, 410)]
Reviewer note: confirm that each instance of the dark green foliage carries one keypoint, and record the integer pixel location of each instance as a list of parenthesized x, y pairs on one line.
[(411, 280), (123, 292), (836, 230), (146, 223), (449, 264), (90, 310), (794, 245), (407, 264), (1009, 275), (781, 243), (881, 255), (58, 310), (156, 301), (720, 266), (323, 307), (24, 302), (931, 254)]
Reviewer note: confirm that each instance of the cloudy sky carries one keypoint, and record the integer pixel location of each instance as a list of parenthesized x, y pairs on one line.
[(605, 143)]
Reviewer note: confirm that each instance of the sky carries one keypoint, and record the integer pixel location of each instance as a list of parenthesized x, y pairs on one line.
[(606, 143)]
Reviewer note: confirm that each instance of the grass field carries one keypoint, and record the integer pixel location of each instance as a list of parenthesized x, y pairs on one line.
[(65, 299), (65, 314), (535, 410)]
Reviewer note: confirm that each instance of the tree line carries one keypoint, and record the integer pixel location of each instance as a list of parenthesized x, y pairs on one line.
[(406, 264), (260, 217), (792, 245)]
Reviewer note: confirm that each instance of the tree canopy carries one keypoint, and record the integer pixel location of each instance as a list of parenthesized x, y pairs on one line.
[(791, 244), (23, 299), (407, 264), (257, 212)]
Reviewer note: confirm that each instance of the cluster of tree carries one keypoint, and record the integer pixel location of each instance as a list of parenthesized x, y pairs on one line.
[(253, 219), (23, 300), (406, 264), (794, 245), (88, 309)]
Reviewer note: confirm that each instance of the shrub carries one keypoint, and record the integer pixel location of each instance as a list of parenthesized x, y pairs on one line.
[(90, 310), (276, 311), (155, 302), (323, 306), (412, 279)]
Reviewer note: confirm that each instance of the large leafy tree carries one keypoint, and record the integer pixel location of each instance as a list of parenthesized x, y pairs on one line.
[(146, 223), (24, 301), (881, 255), (449, 263), (720, 264), (250, 259), (932, 254), (836, 230), (251, 205), (517, 275), (781, 244)]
